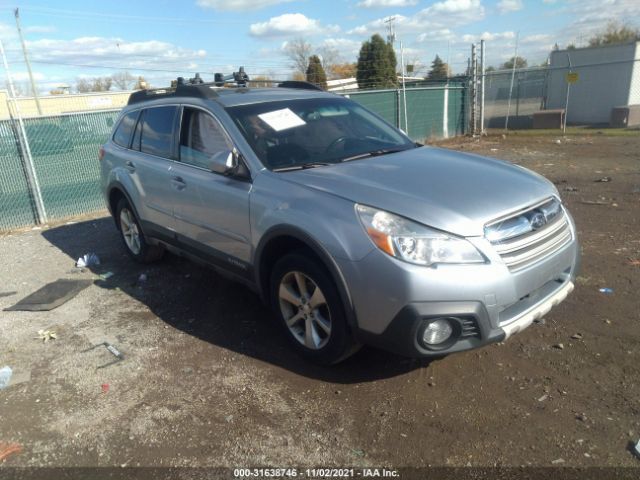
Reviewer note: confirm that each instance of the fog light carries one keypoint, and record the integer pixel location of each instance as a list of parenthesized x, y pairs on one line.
[(437, 332)]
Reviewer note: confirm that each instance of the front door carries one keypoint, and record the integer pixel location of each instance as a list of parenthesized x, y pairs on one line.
[(212, 210)]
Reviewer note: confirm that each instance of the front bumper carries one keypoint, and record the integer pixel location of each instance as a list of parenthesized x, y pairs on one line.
[(393, 300)]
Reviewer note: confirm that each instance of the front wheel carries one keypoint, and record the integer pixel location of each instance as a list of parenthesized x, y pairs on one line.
[(308, 305), (132, 236)]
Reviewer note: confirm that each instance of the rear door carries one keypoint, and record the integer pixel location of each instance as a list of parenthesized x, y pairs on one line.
[(153, 146), (211, 210)]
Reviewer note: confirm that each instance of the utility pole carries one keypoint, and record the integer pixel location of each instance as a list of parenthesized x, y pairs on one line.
[(391, 37), (26, 60)]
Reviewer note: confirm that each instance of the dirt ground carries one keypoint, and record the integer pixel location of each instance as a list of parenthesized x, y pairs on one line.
[(208, 381)]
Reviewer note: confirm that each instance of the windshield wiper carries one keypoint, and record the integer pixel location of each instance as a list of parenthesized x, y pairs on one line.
[(374, 153), (302, 166)]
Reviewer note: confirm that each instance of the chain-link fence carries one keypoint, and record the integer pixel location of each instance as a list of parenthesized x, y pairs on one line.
[(431, 112), (49, 162), (586, 87)]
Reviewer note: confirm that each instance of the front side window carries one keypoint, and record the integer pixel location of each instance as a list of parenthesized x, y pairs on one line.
[(157, 131), (294, 133), (122, 136), (200, 138)]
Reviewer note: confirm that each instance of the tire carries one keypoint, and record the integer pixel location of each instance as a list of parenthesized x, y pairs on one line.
[(303, 295), (132, 236)]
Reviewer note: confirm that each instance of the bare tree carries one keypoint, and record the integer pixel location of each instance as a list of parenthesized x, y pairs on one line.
[(123, 80), (298, 51), (83, 85), (97, 84), (329, 57), (615, 33)]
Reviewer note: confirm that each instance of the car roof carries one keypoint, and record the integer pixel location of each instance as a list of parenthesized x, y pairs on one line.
[(226, 97)]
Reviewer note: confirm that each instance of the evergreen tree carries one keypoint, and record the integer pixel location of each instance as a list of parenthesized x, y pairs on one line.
[(439, 69), (315, 72), (376, 66)]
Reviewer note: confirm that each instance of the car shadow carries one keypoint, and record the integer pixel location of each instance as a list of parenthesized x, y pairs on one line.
[(200, 302)]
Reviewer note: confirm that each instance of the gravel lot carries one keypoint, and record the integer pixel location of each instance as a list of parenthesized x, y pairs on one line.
[(208, 381)]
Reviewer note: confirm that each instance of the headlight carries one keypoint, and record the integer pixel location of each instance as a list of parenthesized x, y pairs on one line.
[(412, 242)]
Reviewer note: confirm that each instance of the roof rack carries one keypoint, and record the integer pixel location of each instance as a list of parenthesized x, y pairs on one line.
[(299, 84), (192, 87)]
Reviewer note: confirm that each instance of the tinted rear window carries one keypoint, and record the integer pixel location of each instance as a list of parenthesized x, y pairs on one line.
[(123, 133), (157, 131)]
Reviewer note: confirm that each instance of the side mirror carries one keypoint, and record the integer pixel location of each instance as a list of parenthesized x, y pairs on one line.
[(224, 162)]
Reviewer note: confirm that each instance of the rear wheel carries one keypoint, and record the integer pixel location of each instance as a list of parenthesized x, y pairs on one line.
[(132, 236), (309, 308)]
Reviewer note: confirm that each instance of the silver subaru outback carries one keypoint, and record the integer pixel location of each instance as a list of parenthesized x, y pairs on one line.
[(352, 233)]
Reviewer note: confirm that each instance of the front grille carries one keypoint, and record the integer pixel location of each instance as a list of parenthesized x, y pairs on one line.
[(469, 328), (529, 245)]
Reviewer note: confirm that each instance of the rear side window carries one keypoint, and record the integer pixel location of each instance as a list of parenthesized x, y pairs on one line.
[(157, 131), (200, 138), (122, 136)]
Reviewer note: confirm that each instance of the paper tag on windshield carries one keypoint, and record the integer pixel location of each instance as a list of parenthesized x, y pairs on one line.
[(281, 119)]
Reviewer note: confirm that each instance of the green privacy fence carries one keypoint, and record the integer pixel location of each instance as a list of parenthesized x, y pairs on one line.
[(432, 112), (64, 149)]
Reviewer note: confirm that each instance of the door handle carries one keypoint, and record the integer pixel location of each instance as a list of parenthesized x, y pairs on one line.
[(178, 183), (130, 166)]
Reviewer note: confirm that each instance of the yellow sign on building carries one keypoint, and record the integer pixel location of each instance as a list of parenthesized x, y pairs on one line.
[(572, 77)]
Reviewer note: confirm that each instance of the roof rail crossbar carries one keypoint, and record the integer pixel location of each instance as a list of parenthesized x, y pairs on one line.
[(300, 84), (193, 87)]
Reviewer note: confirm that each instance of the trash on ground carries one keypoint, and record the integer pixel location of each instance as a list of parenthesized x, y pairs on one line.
[(106, 275), (543, 398), (636, 449), (51, 296), (557, 141), (559, 346), (105, 387), (7, 294), (632, 261), (540, 321), (7, 449), (570, 189), (113, 350), (576, 336), (5, 376), (88, 260), (603, 180), (557, 461), (606, 290), (357, 452), (594, 202), (46, 335)]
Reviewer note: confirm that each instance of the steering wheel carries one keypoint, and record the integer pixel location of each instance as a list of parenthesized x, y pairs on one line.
[(335, 143)]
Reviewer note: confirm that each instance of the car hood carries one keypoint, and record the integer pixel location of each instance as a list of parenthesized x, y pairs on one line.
[(447, 190)]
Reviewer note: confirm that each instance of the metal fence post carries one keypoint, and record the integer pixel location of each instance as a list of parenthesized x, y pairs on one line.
[(30, 169), (482, 79), (445, 112), (474, 90), (398, 103)]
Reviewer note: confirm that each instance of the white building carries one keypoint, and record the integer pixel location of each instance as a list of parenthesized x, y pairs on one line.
[(608, 76)]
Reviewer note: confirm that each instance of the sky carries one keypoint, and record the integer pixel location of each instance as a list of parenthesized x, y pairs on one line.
[(162, 40)]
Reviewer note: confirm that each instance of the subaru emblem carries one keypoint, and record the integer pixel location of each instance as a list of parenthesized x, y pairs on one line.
[(537, 221)]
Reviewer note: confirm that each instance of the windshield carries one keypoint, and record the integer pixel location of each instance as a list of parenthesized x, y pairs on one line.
[(313, 132)]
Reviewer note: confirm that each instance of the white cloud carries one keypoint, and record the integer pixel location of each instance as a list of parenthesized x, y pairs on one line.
[(346, 47), (488, 37), (444, 14), (115, 53), (505, 6), (438, 35), (238, 5), (386, 3), (289, 24)]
